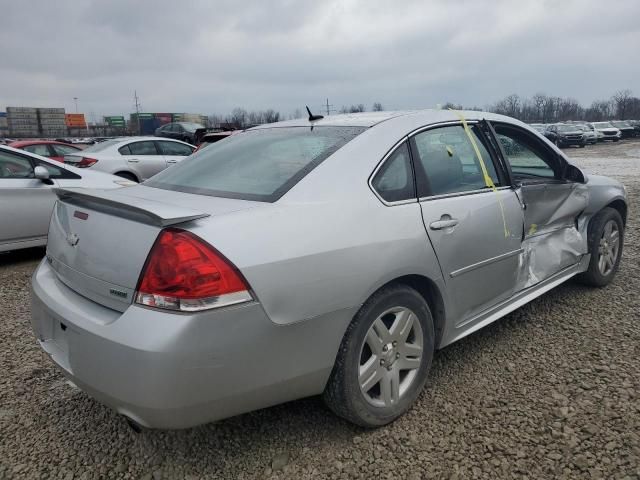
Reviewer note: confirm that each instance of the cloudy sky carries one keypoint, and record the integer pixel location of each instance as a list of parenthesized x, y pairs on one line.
[(213, 55)]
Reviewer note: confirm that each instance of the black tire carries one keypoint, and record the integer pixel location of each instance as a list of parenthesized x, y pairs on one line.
[(593, 276), (616, 140), (343, 394), (128, 176)]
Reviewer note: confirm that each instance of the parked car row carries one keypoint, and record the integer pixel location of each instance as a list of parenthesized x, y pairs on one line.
[(580, 134)]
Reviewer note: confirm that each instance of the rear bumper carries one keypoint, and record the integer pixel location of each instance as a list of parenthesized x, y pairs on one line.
[(167, 370)]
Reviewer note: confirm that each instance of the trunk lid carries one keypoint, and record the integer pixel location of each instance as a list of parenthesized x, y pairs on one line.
[(99, 239)]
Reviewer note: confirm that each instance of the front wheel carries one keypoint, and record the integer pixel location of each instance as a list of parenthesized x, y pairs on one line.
[(384, 358), (605, 237)]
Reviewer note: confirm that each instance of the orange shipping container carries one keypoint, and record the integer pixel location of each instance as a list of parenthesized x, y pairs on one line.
[(75, 120)]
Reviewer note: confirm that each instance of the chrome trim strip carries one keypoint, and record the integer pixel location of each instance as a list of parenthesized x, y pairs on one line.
[(488, 261), (517, 300), (462, 194)]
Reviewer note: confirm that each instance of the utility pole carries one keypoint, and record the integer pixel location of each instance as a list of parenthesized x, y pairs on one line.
[(328, 109), (137, 105)]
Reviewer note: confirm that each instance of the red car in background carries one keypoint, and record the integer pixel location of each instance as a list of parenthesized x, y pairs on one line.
[(46, 148)]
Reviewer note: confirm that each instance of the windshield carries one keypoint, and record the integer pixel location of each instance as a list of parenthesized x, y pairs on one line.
[(621, 124), (568, 128), (191, 127), (602, 125), (259, 165), (97, 147)]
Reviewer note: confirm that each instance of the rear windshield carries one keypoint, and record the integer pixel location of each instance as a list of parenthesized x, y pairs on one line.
[(259, 165)]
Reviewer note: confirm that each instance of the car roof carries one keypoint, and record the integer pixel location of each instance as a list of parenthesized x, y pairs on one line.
[(371, 119), (25, 143)]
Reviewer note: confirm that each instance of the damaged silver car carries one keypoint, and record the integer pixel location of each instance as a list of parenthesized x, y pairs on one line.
[(324, 256)]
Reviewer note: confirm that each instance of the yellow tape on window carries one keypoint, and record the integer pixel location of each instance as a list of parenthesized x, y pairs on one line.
[(488, 181)]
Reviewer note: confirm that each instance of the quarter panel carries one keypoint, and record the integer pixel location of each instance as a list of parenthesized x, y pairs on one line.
[(307, 259)]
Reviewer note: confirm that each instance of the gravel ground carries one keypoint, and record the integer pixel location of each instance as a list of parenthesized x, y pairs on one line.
[(550, 391)]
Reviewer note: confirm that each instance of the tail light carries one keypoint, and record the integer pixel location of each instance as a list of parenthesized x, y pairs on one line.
[(184, 273), (84, 163)]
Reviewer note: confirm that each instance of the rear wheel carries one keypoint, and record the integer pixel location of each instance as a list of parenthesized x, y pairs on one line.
[(384, 358), (606, 234), (128, 176)]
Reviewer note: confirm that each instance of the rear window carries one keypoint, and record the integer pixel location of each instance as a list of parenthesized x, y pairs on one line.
[(259, 165)]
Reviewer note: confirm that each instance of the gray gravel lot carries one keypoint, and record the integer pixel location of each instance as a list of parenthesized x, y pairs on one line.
[(550, 391)]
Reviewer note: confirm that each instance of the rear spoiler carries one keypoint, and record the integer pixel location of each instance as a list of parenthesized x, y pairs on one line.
[(117, 203)]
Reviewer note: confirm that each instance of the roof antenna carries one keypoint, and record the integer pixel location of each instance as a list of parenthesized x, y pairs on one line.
[(313, 117)]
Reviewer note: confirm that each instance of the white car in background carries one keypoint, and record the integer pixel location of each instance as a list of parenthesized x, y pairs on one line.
[(608, 131), (133, 158), (590, 133), (27, 183)]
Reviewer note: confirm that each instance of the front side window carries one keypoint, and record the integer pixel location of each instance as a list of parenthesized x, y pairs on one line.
[(175, 148), (527, 156), (259, 165), (450, 162), (142, 148), (394, 181), (14, 166), (55, 171)]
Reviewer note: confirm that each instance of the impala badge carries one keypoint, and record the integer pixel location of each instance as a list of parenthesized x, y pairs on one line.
[(73, 239)]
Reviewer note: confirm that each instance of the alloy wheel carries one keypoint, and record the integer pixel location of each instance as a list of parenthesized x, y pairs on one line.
[(608, 248), (390, 357)]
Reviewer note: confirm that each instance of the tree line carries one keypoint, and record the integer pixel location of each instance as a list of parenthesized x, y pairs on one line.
[(542, 108)]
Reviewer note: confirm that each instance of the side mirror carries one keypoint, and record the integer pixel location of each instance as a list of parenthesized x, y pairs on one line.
[(42, 173), (574, 174)]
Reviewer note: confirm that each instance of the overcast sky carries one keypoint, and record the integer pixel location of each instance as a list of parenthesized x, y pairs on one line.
[(213, 55)]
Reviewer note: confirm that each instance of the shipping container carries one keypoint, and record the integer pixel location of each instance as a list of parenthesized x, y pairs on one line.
[(21, 110), (51, 110)]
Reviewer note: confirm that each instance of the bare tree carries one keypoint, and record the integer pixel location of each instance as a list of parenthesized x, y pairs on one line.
[(377, 107), (622, 100)]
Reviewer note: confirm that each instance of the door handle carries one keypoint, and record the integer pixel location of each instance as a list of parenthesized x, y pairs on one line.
[(133, 160), (445, 222), (172, 161)]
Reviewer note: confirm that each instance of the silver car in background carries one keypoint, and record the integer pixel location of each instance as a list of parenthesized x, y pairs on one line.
[(27, 183), (325, 256), (133, 158)]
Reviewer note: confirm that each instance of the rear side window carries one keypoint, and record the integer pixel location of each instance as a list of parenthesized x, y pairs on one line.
[(42, 149), (142, 148), (394, 181), (62, 150), (259, 165), (175, 148)]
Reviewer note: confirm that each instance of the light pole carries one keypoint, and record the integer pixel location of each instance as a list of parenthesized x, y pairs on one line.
[(75, 99)]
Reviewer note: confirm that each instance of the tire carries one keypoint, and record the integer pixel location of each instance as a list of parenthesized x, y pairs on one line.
[(595, 275), (372, 408), (616, 140), (582, 145), (128, 176)]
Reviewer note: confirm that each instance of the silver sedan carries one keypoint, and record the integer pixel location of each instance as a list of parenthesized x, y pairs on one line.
[(133, 158), (27, 183), (323, 256)]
